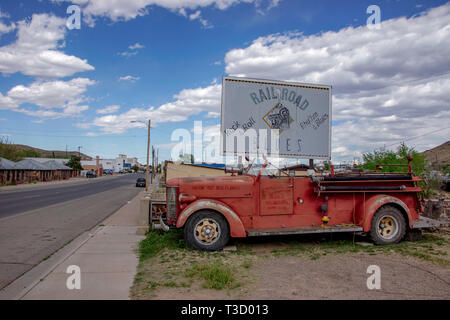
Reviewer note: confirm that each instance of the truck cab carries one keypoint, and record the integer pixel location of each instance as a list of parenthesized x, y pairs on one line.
[(262, 200)]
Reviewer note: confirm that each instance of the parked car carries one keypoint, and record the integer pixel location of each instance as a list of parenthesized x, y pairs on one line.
[(108, 171), (140, 182), (91, 174), (446, 182)]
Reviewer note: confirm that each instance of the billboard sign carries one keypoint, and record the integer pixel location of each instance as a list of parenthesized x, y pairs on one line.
[(277, 118)]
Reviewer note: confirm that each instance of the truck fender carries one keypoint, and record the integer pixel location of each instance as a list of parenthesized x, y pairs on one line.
[(237, 229), (374, 203)]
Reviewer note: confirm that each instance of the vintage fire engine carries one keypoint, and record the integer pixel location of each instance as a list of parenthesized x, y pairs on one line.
[(257, 202)]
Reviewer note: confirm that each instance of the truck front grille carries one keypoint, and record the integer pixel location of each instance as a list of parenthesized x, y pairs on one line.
[(172, 193)]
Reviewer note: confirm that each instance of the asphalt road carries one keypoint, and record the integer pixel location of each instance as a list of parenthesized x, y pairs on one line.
[(36, 223), (14, 202)]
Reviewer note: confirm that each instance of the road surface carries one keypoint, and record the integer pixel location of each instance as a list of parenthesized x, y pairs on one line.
[(35, 223)]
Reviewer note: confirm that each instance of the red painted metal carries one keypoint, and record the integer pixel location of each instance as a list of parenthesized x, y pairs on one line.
[(262, 202)]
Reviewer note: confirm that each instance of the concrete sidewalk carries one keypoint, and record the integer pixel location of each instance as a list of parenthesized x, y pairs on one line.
[(107, 260)]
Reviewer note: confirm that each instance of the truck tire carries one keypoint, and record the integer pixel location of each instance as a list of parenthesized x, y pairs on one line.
[(388, 226), (206, 231)]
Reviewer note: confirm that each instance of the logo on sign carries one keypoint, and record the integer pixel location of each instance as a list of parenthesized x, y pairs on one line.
[(278, 118)]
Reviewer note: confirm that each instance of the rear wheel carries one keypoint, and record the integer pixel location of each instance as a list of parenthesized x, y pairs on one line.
[(388, 226), (207, 231)]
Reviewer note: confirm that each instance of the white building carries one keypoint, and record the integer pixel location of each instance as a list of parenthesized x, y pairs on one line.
[(116, 165)]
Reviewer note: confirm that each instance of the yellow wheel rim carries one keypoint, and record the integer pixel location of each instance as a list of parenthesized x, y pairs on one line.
[(207, 231), (387, 227)]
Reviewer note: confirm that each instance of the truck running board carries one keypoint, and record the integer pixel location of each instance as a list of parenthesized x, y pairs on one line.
[(303, 230), (424, 223)]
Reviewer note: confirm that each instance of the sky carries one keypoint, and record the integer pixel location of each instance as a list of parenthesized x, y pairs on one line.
[(63, 87)]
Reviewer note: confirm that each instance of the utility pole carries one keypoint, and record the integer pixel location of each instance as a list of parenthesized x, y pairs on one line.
[(153, 162), (148, 156), (148, 151), (79, 153)]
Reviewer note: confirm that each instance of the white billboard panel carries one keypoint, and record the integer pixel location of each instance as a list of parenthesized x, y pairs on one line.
[(283, 119)]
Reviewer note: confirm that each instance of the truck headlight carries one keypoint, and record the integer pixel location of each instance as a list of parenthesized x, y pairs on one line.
[(185, 197)]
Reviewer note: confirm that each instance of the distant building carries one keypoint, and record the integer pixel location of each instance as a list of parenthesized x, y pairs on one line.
[(121, 163), (181, 170), (92, 165)]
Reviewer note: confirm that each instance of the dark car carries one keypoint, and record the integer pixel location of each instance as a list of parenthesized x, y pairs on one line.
[(91, 174), (140, 182), (446, 182)]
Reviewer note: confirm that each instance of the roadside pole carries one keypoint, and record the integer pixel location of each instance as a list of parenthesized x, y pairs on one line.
[(148, 156)]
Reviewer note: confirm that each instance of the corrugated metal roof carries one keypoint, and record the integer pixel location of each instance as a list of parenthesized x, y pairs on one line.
[(43, 160), (30, 164), (55, 165), (6, 164)]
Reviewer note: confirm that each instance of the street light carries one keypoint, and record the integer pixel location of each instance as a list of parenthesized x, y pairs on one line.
[(148, 151)]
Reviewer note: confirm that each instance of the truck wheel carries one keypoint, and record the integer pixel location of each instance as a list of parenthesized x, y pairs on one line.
[(388, 226), (206, 231)]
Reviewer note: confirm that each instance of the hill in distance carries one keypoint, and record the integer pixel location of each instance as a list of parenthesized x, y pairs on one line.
[(52, 153), (439, 155)]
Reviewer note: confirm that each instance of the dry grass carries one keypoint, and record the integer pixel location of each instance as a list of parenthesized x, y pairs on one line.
[(168, 265)]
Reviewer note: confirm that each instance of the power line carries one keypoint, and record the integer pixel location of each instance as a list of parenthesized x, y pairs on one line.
[(419, 136), (59, 136)]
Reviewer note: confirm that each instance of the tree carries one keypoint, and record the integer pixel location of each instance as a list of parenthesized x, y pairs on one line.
[(418, 164), (29, 153), (187, 157), (8, 150), (135, 168), (383, 156), (75, 163)]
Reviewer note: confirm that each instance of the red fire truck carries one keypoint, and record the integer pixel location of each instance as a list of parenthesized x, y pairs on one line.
[(261, 200)]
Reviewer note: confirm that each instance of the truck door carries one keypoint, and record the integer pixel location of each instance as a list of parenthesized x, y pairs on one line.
[(276, 195)]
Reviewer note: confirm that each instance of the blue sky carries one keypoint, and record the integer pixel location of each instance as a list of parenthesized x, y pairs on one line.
[(171, 56)]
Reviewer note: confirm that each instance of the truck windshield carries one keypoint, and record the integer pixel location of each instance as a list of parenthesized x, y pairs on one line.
[(269, 170)]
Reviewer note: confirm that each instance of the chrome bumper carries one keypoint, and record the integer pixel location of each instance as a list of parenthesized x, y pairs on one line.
[(161, 225)]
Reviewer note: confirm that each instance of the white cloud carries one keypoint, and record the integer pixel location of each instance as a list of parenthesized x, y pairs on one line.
[(35, 52), (352, 59), (6, 29), (53, 99), (129, 78), (388, 84), (118, 10), (197, 16), (127, 53), (187, 102), (82, 125), (108, 109), (213, 114), (135, 46)]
